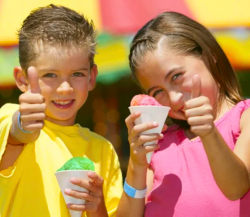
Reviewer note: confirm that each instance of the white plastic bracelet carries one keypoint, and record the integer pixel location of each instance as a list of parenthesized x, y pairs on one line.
[(134, 193)]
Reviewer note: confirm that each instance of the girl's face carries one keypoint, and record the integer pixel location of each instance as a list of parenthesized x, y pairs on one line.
[(168, 77)]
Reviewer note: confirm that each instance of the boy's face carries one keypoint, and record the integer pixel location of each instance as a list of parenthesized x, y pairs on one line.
[(65, 78)]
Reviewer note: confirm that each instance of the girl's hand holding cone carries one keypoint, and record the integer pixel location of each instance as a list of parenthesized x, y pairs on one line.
[(136, 140)]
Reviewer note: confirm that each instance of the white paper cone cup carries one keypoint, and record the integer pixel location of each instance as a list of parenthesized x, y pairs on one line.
[(74, 213), (149, 156), (63, 179), (151, 114)]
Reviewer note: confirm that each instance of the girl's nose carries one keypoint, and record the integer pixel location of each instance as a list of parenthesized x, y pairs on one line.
[(175, 98), (65, 88)]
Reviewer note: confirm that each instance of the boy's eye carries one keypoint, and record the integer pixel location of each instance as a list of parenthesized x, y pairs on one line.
[(78, 74), (50, 75)]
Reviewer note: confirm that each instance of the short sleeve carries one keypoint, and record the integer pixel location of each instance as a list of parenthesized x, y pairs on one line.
[(235, 117), (6, 113), (113, 186)]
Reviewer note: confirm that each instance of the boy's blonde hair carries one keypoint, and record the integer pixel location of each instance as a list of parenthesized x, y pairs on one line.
[(55, 26)]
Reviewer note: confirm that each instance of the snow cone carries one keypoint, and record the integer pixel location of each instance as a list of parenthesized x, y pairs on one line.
[(77, 167), (151, 111)]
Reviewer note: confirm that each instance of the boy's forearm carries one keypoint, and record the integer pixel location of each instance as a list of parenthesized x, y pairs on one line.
[(128, 206), (229, 171), (17, 135)]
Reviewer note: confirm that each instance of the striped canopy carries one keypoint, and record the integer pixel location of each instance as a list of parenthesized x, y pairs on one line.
[(118, 20)]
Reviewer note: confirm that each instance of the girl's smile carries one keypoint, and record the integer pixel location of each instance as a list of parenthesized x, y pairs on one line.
[(168, 78)]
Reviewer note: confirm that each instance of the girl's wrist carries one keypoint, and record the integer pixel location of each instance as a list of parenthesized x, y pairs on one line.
[(136, 175), (212, 133), (135, 168), (134, 193)]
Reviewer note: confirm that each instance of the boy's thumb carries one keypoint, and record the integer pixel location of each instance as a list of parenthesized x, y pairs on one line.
[(33, 80)]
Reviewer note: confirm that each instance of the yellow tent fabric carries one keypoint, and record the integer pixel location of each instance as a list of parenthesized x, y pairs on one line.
[(13, 12), (221, 13), (112, 57)]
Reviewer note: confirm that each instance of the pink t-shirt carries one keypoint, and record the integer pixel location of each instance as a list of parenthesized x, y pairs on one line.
[(183, 182)]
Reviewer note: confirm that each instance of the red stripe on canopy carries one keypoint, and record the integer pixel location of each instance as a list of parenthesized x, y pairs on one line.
[(127, 16)]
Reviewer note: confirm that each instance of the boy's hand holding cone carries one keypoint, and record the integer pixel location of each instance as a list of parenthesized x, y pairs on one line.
[(81, 187)]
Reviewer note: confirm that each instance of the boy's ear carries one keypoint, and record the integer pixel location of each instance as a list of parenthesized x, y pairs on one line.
[(21, 78), (92, 78)]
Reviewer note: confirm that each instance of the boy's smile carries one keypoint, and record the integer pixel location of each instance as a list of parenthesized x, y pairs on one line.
[(65, 78), (63, 103)]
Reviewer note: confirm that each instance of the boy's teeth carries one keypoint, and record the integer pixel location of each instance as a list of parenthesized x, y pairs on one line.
[(63, 102)]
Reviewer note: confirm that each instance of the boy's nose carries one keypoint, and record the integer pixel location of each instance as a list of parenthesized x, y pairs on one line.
[(65, 88)]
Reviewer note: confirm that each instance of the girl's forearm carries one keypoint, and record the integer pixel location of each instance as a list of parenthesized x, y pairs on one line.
[(229, 171), (136, 176), (128, 206)]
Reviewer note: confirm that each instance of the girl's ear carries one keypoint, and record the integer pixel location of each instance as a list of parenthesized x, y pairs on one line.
[(21, 78)]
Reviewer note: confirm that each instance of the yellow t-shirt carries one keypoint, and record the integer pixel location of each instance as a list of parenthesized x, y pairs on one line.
[(29, 188)]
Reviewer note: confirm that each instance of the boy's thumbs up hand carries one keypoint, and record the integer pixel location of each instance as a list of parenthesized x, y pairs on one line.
[(33, 80), (198, 110), (32, 104)]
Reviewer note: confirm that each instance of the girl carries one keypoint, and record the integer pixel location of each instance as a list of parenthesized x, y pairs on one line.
[(201, 165)]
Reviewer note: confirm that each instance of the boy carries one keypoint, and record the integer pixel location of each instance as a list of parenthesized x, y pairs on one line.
[(56, 53)]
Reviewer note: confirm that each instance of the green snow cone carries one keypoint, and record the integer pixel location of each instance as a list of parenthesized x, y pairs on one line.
[(78, 163)]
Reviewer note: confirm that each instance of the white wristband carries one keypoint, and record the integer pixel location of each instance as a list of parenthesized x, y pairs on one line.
[(134, 193)]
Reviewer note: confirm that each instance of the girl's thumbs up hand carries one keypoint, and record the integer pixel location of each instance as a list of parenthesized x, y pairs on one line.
[(198, 110), (32, 104)]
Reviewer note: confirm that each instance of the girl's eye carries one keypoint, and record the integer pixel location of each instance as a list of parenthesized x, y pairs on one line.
[(50, 75), (175, 76), (156, 92), (78, 74)]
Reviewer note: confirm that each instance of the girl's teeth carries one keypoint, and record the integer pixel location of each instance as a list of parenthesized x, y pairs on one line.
[(62, 102)]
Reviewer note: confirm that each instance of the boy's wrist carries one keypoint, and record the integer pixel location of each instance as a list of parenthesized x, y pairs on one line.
[(18, 135), (101, 212), (20, 124)]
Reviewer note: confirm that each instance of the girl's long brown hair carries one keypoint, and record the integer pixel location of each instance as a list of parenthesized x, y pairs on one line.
[(187, 37)]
